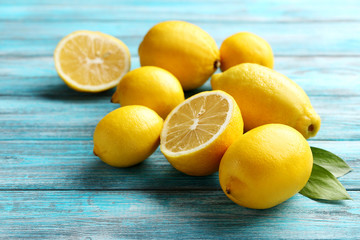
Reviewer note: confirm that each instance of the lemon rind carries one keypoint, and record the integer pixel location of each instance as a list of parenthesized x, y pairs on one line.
[(169, 153), (91, 88)]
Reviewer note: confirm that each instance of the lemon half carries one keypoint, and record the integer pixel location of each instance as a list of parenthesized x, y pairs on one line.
[(91, 61), (197, 132)]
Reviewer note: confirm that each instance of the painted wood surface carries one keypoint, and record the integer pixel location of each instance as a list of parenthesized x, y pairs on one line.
[(70, 164), (287, 39), (52, 187), (169, 215)]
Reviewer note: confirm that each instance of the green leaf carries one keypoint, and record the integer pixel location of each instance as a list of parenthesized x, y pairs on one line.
[(330, 162), (323, 185)]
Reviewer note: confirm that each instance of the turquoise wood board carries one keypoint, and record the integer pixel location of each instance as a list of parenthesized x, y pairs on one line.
[(70, 164), (169, 215), (204, 10), (325, 39), (53, 187)]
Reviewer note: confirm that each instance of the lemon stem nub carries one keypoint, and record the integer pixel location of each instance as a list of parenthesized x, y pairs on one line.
[(115, 98), (228, 190), (217, 64), (311, 128)]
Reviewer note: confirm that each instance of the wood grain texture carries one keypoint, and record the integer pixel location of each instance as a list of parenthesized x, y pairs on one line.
[(53, 187), (305, 38), (70, 164), (204, 10), (318, 76), (52, 116), (169, 214)]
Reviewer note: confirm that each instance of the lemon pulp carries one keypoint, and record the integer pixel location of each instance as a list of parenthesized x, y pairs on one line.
[(91, 61), (197, 132), (195, 124)]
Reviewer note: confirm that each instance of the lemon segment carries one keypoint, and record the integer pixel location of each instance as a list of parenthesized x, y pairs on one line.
[(266, 166), (198, 131), (127, 135), (152, 87), (90, 61)]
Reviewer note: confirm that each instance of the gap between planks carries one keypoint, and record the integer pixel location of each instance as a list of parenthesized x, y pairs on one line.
[(20, 56), (90, 139), (122, 190), (219, 19)]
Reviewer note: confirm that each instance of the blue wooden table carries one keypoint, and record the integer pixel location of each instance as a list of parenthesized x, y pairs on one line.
[(53, 187)]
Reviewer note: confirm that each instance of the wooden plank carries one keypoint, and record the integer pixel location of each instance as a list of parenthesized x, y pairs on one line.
[(71, 164), (214, 10), (303, 39), (51, 185), (316, 75), (166, 214), (53, 116)]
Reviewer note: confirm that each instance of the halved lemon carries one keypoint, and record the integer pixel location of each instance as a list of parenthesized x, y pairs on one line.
[(91, 61), (197, 132)]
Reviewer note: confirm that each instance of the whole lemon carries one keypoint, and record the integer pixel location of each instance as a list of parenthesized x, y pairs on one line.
[(152, 87), (265, 166), (266, 96), (127, 135), (245, 47), (183, 49)]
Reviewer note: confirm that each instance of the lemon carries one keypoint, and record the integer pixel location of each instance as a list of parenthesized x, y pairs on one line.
[(91, 61), (245, 47), (198, 131), (152, 87), (266, 166), (266, 96), (127, 135), (183, 49)]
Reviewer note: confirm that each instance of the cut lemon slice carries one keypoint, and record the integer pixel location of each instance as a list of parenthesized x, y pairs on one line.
[(91, 61), (197, 132)]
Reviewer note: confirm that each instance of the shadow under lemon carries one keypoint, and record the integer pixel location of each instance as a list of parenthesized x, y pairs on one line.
[(198, 202), (205, 87), (154, 173), (58, 90)]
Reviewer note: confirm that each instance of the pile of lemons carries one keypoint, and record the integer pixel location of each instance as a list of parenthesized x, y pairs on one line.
[(204, 133)]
